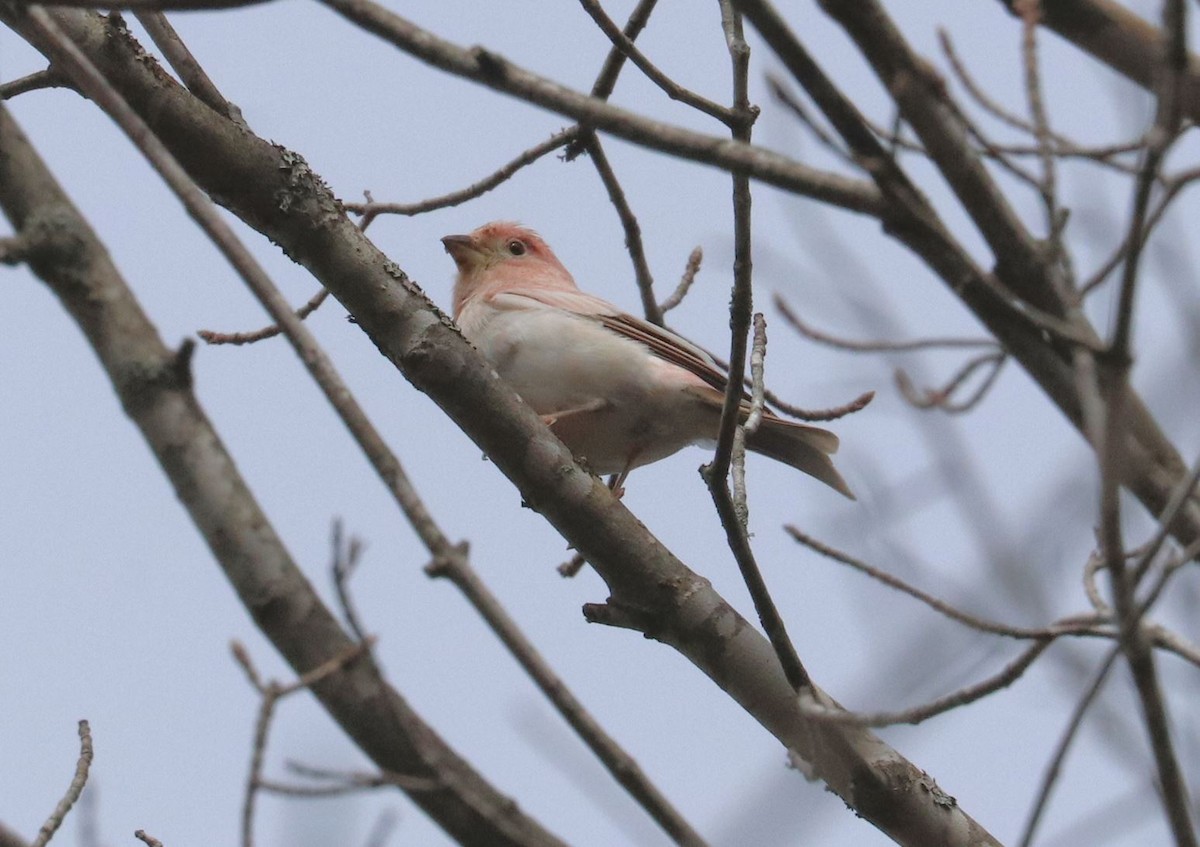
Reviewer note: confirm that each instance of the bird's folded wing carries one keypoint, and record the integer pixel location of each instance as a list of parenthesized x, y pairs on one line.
[(661, 342)]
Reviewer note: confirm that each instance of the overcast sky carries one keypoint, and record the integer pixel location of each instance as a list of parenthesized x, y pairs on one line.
[(112, 609)]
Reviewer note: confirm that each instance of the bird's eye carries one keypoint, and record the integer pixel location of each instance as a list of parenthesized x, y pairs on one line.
[(516, 247)]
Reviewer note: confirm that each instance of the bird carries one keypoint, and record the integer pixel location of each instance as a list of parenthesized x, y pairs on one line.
[(618, 391)]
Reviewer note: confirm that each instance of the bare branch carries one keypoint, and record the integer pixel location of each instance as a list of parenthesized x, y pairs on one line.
[(781, 93), (185, 64), (919, 714), (370, 210), (856, 405), (1054, 766), (157, 396), (1075, 625), (633, 231), (1117, 37), (359, 781), (496, 72), (453, 565), (810, 332), (36, 81), (685, 282), (74, 789), (758, 352), (716, 472), (238, 338), (271, 693), (942, 398), (669, 87)]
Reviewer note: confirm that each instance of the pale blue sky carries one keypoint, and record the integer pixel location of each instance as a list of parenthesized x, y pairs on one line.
[(112, 609)]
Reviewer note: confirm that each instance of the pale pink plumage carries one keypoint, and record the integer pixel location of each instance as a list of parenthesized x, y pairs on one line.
[(619, 391)]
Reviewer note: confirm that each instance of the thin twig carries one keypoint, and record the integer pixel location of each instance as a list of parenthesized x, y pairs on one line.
[(606, 79), (453, 565), (813, 334), (716, 472), (370, 210), (685, 281), (1114, 446), (238, 338), (271, 693), (964, 696), (942, 398), (494, 71), (993, 149), (819, 415), (614, 63), (784, 96), (1172, 189), (1030, 12), (758, 353), (36, 81), (74, 789), (405, 781), (186, 66), (345, 556), (1180, 496), (1054, 766), (629, 223), (671, 88), (1075, 625), (976, 91), (341, 783)]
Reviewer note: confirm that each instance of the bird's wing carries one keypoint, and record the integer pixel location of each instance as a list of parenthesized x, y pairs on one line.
[(661, 342)]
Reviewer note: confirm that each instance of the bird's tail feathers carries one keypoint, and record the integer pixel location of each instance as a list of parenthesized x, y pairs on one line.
[(805, 448)]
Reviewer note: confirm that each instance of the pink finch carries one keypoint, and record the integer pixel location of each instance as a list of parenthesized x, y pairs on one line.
[(618, 391)]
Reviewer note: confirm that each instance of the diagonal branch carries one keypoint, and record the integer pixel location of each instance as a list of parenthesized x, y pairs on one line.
[(154, 385), (1111, 33), (496, 72)]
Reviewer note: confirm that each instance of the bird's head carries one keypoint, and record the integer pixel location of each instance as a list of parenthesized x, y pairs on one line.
[(503, 255)]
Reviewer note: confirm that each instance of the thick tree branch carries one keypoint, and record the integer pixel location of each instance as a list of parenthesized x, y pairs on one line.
[(154, 386), (1111, 33)]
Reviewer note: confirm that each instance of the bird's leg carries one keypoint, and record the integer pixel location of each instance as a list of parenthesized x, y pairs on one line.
[(590, 406), (616, 482)]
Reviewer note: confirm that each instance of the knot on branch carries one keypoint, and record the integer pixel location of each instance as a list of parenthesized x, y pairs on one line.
[(53, 233), (139, 384), (618, 614), (491, 65)]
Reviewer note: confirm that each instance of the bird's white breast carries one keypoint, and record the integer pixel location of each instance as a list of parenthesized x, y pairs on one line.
[(638, 407)]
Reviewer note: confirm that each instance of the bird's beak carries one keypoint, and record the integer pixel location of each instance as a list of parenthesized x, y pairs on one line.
[(462, 248)]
